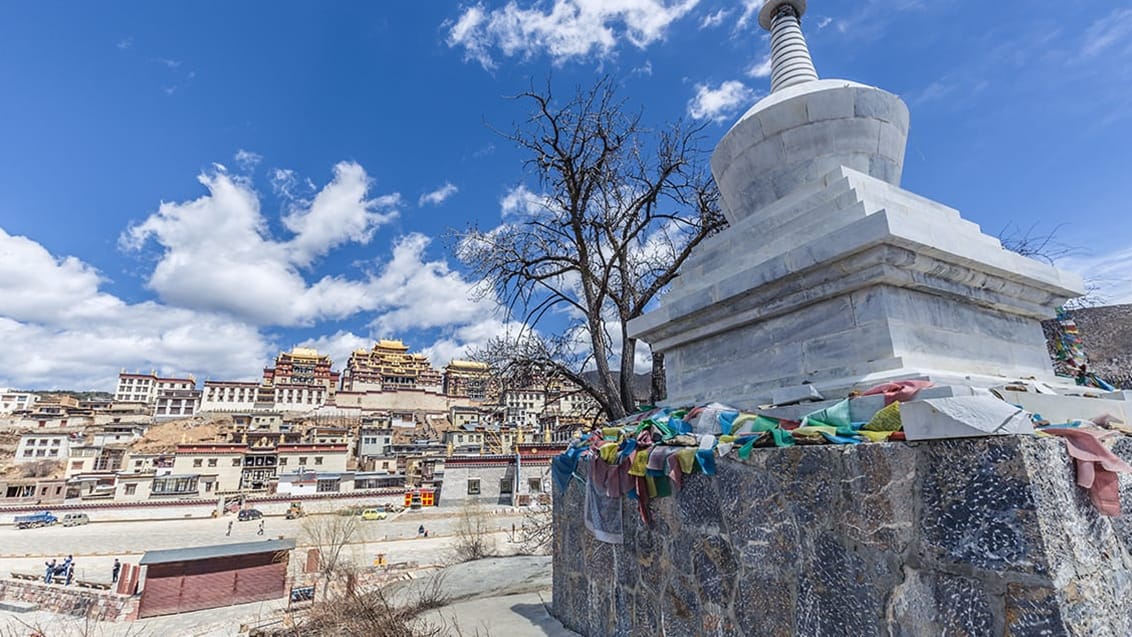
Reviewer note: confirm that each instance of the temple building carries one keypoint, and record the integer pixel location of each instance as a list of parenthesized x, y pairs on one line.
[(164, 398), (222, 396), (389, 367), (469, 379), (302, 366)]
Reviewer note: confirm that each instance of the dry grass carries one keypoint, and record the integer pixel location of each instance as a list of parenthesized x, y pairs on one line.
[(373, 614), (166, 436), (474, 540)]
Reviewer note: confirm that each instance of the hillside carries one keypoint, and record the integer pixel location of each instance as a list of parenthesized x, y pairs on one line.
[(1106, 334)]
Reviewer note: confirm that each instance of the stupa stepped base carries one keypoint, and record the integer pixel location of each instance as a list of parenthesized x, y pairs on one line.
[(849, 281)]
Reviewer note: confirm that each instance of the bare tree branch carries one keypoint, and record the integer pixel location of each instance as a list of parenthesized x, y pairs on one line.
[(623, 208)]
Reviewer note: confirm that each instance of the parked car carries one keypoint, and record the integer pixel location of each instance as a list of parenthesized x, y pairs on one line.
[(373, 514), (249, 514), (43, 518), (75, 519)]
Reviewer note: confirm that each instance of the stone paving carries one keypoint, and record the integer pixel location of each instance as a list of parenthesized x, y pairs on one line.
[(498, 596)]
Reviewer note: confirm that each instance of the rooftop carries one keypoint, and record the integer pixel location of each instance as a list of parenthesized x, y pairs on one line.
[(219, 550)]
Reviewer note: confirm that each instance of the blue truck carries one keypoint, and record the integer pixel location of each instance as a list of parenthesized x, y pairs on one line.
[(43, 518)]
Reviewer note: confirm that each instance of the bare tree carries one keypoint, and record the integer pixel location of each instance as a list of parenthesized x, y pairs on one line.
[(1046, 247), (474, 539), (331, 534), (621, 208), (535, 535)]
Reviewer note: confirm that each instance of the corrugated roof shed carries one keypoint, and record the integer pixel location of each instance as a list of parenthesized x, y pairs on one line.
[(219, 550)]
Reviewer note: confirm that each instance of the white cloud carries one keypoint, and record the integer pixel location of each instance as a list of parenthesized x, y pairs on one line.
[(824, 22), (217, 254), (712, 20), (338, 346), (173, 64), (1111, 273), (340, 213), (221, 277), (461, 342), (60, 330), (644, 69), (125, 43), (247, 159), (762, 68), (519, 202), (411, 292), (719, 104), (1113, 29), (750, 10), (932, 92), (439, 195), (564, 30)]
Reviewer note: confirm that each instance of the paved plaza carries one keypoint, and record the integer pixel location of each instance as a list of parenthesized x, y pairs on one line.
[(508, 591), (96, 545)]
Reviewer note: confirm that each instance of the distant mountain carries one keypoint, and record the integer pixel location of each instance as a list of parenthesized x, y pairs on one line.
[(641, 384)]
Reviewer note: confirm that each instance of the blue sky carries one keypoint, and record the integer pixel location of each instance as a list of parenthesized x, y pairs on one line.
[(193, 187)]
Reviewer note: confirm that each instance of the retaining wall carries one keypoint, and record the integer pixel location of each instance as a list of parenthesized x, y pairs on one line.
[(71, 600), (987, 536)]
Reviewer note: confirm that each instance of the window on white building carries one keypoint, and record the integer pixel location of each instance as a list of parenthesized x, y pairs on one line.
[(473, 486)]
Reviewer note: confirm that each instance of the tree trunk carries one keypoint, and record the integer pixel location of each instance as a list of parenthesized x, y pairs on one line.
[(658, 387), (611, 390), (628, 372)]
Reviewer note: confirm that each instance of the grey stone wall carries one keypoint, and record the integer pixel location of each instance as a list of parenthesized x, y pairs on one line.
[(455, 489), (985, 536), (70, 600)]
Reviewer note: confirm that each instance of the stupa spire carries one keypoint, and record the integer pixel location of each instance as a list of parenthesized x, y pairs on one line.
[(790, 56)]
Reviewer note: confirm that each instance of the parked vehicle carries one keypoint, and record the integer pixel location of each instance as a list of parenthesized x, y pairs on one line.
[(373, 514), (75, 519), (295, 511), (249, 514), (35, 520)]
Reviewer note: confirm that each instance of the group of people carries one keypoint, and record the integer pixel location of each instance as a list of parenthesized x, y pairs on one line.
[(421, 531), (258, 532), (65, 571), (55, 570)]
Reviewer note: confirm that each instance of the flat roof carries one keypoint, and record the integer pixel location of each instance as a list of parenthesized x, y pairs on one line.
[(219, 550)]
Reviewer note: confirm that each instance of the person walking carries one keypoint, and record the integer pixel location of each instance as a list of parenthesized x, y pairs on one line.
[(114, 572), (420, 530), (50, 571), (70, 570), (260, 531), (229, 528)]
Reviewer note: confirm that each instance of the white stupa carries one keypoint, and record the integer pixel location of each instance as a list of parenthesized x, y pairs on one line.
[(830, 274)]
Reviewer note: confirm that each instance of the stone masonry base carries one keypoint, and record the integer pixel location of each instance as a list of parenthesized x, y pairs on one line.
[(71, 600), (985, 536)]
